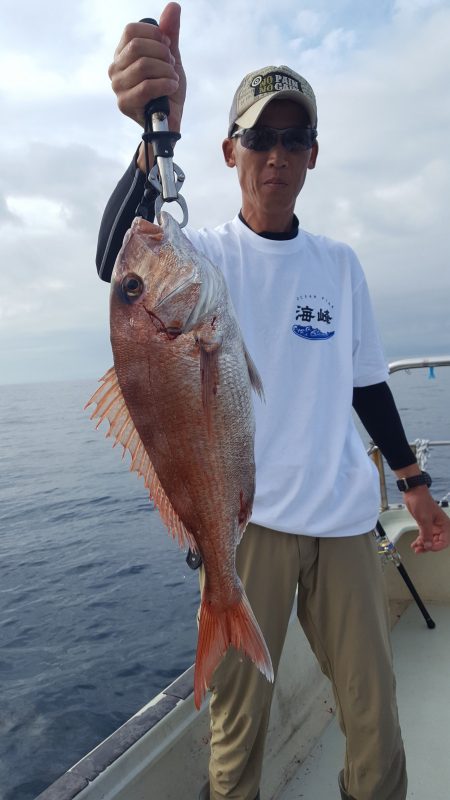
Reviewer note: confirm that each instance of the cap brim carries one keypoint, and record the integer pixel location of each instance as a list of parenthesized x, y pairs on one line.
[(251, 116)]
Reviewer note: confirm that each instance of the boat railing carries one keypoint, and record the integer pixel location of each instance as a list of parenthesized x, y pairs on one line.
[(408, 364)]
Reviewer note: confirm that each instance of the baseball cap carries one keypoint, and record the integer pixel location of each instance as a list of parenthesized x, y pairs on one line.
[(269, 83)]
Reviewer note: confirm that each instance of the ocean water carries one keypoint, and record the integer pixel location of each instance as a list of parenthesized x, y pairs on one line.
[(97, 604)]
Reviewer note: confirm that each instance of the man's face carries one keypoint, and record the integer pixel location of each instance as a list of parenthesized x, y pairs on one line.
[(272, 180)]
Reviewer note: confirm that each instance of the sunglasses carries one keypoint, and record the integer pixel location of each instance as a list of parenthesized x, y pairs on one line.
[(264, 138)]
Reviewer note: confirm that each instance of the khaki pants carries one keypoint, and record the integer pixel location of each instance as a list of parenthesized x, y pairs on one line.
[(343, 611)]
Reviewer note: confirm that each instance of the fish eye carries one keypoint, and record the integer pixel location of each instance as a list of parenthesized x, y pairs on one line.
[(132, 286)]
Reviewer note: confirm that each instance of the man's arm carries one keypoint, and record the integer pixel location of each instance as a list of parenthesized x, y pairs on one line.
[(378, 413)]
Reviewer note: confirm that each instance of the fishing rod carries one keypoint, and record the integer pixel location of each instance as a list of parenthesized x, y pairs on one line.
[(389, 550)]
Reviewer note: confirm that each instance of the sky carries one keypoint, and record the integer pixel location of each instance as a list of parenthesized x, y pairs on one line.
[(380, 72)]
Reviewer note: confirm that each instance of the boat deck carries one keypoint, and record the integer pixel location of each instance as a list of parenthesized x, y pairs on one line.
[(422, 659)]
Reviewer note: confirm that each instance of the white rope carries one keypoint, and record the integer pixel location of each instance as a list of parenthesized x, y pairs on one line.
[(422, 452)]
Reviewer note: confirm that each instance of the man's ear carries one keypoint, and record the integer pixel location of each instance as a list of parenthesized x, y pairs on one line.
[(228, 152), (314, 154)]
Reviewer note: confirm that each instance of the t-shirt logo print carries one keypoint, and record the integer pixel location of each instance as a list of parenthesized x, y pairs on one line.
[(312, 307)]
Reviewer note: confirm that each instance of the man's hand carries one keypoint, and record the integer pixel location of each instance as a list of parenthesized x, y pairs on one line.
[(147, 64), (433, 522)]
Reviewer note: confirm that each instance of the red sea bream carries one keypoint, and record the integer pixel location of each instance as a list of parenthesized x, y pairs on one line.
[(179, 400)]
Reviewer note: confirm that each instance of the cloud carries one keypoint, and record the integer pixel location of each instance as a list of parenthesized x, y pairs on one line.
[(48, 242), (6, 214), (380, 73), (47, 32), (412, 8), (53, 184), (307, 23)]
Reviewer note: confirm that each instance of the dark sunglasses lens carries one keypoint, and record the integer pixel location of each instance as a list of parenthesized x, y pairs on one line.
[(298, 139), (258, 139), (263, 139)]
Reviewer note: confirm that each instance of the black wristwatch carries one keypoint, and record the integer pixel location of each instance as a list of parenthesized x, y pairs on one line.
[(405, 484)]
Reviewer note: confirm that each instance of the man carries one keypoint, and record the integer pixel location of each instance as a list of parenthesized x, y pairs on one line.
[(306, 317)]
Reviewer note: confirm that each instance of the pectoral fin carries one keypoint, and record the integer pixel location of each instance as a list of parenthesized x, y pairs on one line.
[(209, 371), (111, 405)]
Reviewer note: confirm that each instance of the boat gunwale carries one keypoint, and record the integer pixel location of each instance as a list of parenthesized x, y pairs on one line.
[(85, 771)]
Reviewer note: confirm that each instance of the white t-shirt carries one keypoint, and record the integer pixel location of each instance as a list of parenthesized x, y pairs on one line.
[(306, 317)]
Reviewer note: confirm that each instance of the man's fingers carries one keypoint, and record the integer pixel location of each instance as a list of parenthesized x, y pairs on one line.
[(141, 48), (421, 545), (140, 95), (142, 70), (170, 25), (140, 30)]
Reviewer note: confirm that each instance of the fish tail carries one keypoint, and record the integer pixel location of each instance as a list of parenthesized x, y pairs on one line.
[(218, 629)]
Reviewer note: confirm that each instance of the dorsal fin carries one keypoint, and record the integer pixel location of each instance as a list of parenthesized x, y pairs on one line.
[(110, 405)]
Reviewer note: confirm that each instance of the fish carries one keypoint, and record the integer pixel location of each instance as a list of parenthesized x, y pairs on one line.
[(179, 400)]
